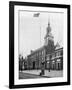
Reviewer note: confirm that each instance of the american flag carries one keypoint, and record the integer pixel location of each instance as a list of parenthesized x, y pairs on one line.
[(36, 15)]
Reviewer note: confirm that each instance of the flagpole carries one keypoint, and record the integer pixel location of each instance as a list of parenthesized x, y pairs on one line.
[(40, 35), (37, 15), (40, 31)]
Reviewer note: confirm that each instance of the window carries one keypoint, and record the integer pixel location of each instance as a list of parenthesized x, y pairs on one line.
[(53, 55), (42, 52), (48, 57), (61, 53)]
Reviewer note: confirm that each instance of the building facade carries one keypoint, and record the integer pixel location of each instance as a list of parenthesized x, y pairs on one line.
[(54, 60), (50, 55), (36, 58)]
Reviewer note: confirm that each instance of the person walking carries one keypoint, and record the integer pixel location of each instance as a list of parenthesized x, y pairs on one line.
[(42, 69)]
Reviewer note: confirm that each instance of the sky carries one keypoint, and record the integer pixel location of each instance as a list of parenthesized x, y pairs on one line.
[(32, 30)]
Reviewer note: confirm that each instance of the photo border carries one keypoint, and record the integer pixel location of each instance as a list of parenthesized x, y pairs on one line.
[(11, 43)]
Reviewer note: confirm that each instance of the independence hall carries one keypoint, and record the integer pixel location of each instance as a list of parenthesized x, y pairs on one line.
[(49, 54)]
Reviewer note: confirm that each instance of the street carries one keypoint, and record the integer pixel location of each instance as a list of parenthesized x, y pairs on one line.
[(28, 75)]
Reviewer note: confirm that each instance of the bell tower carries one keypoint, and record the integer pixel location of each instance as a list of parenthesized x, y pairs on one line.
[(49, 39)]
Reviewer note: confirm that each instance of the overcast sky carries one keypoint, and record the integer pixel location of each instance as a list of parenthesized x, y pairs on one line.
[(30, 28)]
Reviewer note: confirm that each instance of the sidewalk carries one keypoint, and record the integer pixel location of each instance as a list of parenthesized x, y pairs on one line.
[(52, 73)]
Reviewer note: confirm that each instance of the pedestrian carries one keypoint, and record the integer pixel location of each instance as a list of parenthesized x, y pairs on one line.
[(42, 69)]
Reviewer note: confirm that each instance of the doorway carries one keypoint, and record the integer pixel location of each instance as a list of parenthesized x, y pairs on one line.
[(59, 66), (34, 65)]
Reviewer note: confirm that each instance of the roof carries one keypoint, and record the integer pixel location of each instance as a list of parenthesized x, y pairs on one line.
[(39, 49), (58, 46)]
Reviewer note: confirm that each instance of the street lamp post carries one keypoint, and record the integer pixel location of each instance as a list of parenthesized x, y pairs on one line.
[(50, 63)]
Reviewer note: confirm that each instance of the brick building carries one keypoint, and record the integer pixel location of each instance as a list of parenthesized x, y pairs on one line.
[(50, 55)]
